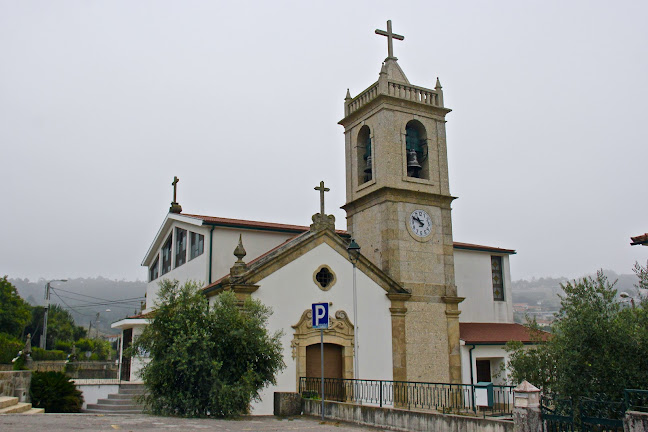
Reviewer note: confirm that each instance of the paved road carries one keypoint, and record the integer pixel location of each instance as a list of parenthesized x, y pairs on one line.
[(143, 422)]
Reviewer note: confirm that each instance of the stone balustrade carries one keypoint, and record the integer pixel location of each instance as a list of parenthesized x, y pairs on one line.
[(395, 89)]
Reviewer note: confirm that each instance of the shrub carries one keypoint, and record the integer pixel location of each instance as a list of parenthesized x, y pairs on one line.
[(100, 349), (41, 354), (55, 392), (64, 346), (9, 348)]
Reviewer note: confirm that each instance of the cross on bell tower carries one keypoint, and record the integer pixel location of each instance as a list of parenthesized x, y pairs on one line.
[(390, 37)]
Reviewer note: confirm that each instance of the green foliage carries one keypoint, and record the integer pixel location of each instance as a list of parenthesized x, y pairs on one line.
[(64, 346), (61, 327), (9, 348), (598, 345), (206, 361), (535, 363), (100, 349), (14, 311), (41, 354), (55, 392), (642, 275)]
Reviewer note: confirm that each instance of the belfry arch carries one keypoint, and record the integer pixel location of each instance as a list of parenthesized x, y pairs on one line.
[(340, 332)]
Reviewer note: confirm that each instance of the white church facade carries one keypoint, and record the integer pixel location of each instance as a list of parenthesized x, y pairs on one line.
[(426, 308)]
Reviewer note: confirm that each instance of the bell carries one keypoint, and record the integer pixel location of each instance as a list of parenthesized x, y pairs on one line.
[(367, 169), (413, 166)]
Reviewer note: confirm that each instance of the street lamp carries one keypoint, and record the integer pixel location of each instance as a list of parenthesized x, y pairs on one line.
[(43, 341), (354, 255)]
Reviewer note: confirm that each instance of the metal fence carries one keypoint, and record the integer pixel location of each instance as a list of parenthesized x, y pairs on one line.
[(636, 400), (447, 398)]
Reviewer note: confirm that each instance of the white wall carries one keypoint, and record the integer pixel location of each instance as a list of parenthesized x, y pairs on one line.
[(224, 240), (495, 353), (93, 392), (256, 243), (474, 282), (291, 290), (137, 363)]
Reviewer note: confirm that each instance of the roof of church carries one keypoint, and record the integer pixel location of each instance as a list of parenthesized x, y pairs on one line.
[(640, 240), (241, 223), (261, 266), (470, 246), (497, 333), (298, 229)]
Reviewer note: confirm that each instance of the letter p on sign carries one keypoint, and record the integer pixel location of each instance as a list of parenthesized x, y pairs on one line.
[(320, 315)]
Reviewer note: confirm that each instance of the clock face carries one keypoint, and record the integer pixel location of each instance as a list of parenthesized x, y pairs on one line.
[(421, 223)]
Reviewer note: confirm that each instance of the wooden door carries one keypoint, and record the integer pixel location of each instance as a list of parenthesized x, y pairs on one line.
[(333, 369)]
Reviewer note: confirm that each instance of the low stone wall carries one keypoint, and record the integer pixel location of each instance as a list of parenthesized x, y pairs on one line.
[(6, 367), (15, 383), (404, 420), (49, 365)]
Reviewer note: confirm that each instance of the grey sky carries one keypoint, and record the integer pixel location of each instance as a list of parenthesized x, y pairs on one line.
[(102, 103)]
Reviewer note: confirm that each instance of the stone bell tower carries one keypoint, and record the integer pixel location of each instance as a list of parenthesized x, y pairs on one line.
[(398, 210)]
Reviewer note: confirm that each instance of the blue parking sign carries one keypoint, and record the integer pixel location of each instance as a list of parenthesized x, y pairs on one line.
[(320, 315)]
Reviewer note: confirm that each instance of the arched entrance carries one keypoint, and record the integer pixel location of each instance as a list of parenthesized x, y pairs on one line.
[(338, 347)]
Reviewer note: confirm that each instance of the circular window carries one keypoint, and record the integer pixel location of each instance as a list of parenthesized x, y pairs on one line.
[(324, 278)]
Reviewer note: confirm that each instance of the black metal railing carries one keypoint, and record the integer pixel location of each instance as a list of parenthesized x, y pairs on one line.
[(636, 400), (447, 398)]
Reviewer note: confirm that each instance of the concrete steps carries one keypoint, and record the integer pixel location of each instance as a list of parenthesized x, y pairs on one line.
[(124, 402), (10, 405)]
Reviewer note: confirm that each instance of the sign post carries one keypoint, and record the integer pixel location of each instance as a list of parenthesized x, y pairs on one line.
[(321, 322)]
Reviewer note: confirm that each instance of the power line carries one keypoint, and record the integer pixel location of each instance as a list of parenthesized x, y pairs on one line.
[(84, 295), (70, 307)]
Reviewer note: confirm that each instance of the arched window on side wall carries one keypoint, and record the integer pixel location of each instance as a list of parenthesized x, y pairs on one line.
[(416, 150), (363, 145)]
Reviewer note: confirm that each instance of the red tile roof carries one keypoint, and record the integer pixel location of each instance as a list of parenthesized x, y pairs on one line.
[(470, 246), (640, 240), (496, 333), (241, 223)]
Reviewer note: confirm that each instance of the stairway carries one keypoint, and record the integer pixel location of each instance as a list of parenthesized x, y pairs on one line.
[(119, 403), (10, 405)]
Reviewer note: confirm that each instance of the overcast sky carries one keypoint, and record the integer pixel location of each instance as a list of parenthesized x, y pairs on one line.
[(103, 102)]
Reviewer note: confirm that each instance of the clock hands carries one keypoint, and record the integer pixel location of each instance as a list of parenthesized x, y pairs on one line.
[(416, 218)]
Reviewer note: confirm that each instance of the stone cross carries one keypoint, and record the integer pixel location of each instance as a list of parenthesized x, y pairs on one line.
[(321, 190), (390, 37), (174, 184)]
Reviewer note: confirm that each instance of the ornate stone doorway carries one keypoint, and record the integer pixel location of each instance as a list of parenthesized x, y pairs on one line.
[(338, 345)]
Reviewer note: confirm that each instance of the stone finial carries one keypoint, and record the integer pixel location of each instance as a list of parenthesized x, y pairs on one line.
[(239, 252), (526, 395), (239, 266), (348, 95), (322, 222), (383, 69), (438, 85)]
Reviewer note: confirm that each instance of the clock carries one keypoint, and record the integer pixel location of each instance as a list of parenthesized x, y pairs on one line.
[(420, 223)]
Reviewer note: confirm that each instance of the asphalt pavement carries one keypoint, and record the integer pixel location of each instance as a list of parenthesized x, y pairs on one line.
[(149, 423)]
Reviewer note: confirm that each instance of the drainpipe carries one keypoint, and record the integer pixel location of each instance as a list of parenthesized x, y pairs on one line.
[(472, 381), (211, 236)]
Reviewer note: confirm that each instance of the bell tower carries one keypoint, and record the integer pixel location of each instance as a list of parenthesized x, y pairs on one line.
[(399, 211)]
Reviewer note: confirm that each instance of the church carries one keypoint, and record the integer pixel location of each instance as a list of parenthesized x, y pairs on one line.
[(407, 302)]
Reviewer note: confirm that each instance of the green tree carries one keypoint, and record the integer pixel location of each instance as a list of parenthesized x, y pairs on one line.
[(598, 345), (60, 326), (14, 311), (206, 361), (642, 275)]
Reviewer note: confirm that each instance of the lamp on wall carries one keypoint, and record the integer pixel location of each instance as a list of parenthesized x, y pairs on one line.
[(354, 255)]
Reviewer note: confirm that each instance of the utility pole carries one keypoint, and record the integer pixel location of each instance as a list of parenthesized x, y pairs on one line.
[(43, 341)]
